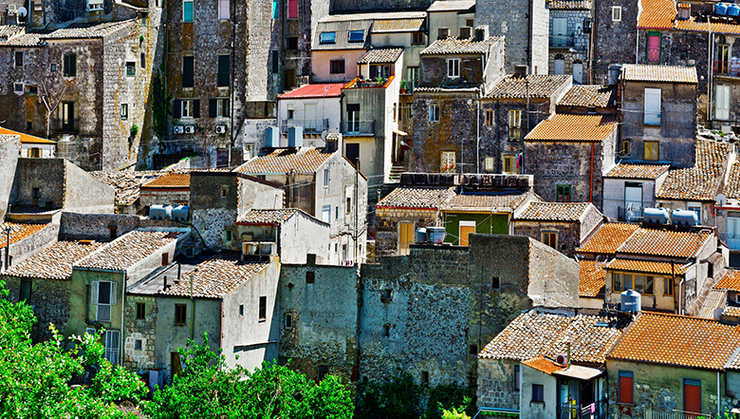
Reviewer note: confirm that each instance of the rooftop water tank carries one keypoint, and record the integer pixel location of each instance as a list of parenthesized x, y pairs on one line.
[(614, 71), (180, 213), (733, 10), (295, 137), (157, 212), (421, 235), (656, 216), (272, 139), (631, 301), (436, 235), (720, 9), (685, 218)]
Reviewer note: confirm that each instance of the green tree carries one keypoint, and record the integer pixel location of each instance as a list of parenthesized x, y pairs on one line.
[(34, 379), (400, 398)]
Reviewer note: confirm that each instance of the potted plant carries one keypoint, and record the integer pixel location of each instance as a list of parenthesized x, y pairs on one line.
[(403, 86)]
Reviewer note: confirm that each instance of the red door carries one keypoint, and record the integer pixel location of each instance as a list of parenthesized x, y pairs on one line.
[(692, 396)]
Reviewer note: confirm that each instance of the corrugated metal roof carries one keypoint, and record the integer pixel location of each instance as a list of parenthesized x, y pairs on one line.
[(317, 90)]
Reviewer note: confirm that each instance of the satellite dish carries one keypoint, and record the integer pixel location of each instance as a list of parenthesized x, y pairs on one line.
[(721, 199), (718, 313), (22, 12)]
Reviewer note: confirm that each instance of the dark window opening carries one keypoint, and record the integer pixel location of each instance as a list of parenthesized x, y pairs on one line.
[(323, 371), (425, 377), (165, 259), (69, 66), (140, 311), (188, 77), (25, 290), (538, 393), (180, 314), (495, 282), (19, 59), (223, 70), (473, 349), (288, 321), (386, 296), (241, 309), (263, 308), (336, 66), (130, 69), (138, 344), (291, 43), (310, 277), (386, 330)]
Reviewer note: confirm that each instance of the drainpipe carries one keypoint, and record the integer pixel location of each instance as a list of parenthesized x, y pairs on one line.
[(477, 139), (718, 397), (123, 321), (710, 70), (192, 311), (591, 189)]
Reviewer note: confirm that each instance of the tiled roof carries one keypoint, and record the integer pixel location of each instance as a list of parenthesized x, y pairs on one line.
[(592, 279), (437, 89), (86, 30), (732, 186), (54, 262), (731, 281), (678, 340), (25, 138), (410, 197), (540, 86), (170, 180), (315, 90), (570, 5), (275, 216), (127, 184), (303, 161), (567, 127), (732, 312), (543, 365), (454, 45), (372, 16), (535, 334), (215, 277), (554, 211), (398, 25), (488, 203), (129, 249), (656, 14), (717, 26), (608, 238), (700, 182), (654, 242), (22, 40), (645, 266), (17, 232), (10, 31), (638, 171), (380, 56), (659, 73), (451, 5), (589, 95)]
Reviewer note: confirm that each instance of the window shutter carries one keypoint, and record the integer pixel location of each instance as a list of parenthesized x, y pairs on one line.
[(226, 103), (292, 9), (94, 293), (176, 109), (212, 107), (113, 293), (72, 64), (625, 389), (196, 108)]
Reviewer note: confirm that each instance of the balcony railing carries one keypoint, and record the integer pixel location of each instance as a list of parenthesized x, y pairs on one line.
[(631, 214), (673, 414), (592, 411), (562, 41), (727, 68), (733, 241), (358, 127), (309, 125), (515, 133), (651, 118)]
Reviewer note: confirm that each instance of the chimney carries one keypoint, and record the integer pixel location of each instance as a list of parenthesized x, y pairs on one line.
[(520, 71), (332, 142)]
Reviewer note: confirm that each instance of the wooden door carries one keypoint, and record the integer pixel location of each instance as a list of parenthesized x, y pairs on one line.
[(692, 395), (405, 237), (466, 227)]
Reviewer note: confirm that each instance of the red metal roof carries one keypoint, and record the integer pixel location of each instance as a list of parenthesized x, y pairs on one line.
[(315, 90)]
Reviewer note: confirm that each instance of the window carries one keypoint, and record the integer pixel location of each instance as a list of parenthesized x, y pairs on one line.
[(562, 193), (470, 22), (538, 393), (69, 66), (638, 282), (292, 9), (652, 106), (327, 37), (515, 124), (625, 387), (425, 377), (433, 113), (104, 294), (517, 378), (181, 311), (722, 66), (697, 209), (722, 103), (142, 60), (489, 118), (223, 9), (442, 33), (310, 277), (140, 311), (488, 164), (187, 11), (94, 5), (550, 238), (186, 109), (53, 68), (326, 178), (387, 330), (18, 87), (510, 165), (291, 43), (165, 259), (228, 235), (68, 116), (144, 16), (447, 162), (219, 108), (241, 309), (348, 206), (36, 193), (223, 70), (112, 343), (473, 349), (124, 111), (653, 47), (224, 192), (326, 213), (288, 321), (275, 9), (651, 150), (356, 36), (25, 290), (453, 68), (495, 282), (263, 308), (19, 58), (626, 147), (383, 71), (336, 215), (291, 112), (386, 296), (188, 77), (323, 372), (275, 61), (130, 69), (417, 38), (559, 32), (616, 13), (138, 345), (336, 66)]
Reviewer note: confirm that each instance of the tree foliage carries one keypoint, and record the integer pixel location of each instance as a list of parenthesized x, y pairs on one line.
[(400, 397)]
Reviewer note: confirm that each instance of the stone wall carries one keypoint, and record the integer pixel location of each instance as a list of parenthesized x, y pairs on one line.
[(50, 303), (98, 226), (33, 244), (434, 71), (497, 376), (386, 226), (139, 330), (212, 212), (10, 146), (606, 31), (568, 233)]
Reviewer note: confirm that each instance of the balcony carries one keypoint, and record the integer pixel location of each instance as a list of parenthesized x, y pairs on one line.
[(629, 214), (309, 125), (358, 127), (360, 83), (673, 414), (651, 118), (562, 41), (727, 68), (515, 133)]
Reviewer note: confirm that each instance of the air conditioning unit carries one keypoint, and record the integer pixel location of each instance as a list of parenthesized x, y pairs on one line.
[(561, 359), (178, 129), (190, 129), (220, 129)]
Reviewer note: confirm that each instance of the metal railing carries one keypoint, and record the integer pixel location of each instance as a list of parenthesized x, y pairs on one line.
[(629, 213), (733, 241), (564, 41), (727, 68), (515, 133), (651, 413), (595, 410), (309, 125), (358, 127), (651, 118)]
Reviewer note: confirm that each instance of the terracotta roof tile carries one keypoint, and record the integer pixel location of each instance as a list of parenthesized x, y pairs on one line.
[(535, 334), (422, 198), (380, 55), (589, 95), (275, 216), (17, 232), (398, 25), (666, 243), (215, 277), (700, 182), (543, 365), (26, 138), (54, 262), (570, 5), (731, 281), (567, 127), (637, 171), (645, 266), (592, 279), (315, 90), (608, 238), (540, 86), (488, 203), (732, 186), (372, 16), (678, 340), (659, 73), (454, 45), (306, 160), (128, 250), (733, 312), (554, 211), (656, 14), (170, 180)]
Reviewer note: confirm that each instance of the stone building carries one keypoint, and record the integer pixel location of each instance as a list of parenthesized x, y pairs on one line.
[(169, 189), (658, 116), (589, 98), (560, 225), (630, 188), (25, 240), (569, 155), (614, 38), (727, 210), (569, 43)]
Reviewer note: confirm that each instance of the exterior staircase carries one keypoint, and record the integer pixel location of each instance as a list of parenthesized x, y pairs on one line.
[(396, 171)]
